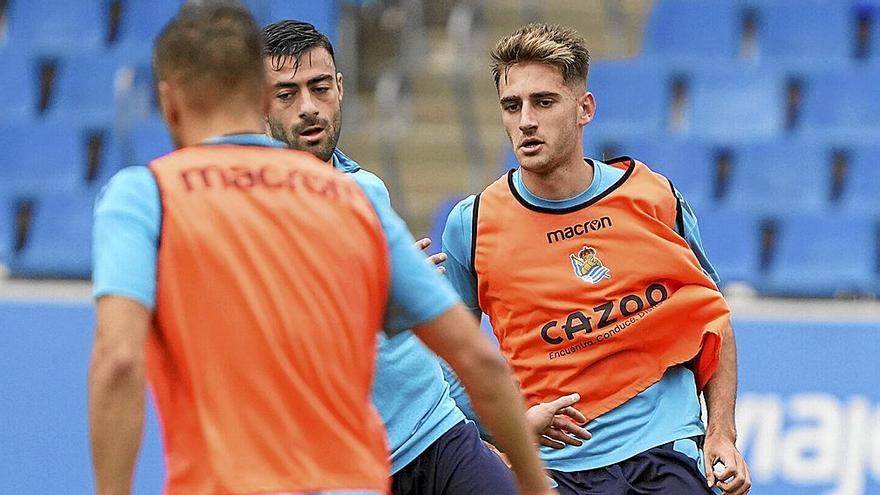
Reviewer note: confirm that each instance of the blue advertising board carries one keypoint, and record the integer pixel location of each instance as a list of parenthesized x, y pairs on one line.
[(808, 411)]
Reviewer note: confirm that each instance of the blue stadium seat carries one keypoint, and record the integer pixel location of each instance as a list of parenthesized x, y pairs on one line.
[(86, 88), (630, 96), (56, 26), (843, 104), (779, 176), (140, 23), (861, 192), (732, 242), (823, 255), (59, 238), (689, 164), (735, 103), (19, 85), (7, 223), (148, 140), (685, 29), (806, 32), (39, 157), (324, 15)]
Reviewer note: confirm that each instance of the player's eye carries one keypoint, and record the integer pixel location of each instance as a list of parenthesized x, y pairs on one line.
[(510, 107), (321, 90), (545, 103), (286, 96)]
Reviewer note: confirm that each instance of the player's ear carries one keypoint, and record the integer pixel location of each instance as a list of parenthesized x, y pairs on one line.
[(339, 84), (586, 108), (166, 94)]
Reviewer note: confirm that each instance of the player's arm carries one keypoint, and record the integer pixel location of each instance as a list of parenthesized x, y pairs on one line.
[(455, 336), (116, 391), (125, 243), (720, 441), (720, 390)]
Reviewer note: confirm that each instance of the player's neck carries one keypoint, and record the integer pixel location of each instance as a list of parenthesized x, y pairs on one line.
[(203, 127), (562, 182)]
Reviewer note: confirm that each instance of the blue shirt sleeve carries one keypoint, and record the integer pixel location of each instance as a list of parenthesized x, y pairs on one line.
[(692, 236), (457, 243), (418, 294), (126, 237)]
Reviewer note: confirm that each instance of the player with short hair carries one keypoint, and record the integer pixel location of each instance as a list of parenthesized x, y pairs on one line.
[(433, 449), (595, 282), (248, 282)]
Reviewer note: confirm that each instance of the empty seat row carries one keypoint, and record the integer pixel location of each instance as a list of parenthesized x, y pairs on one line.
[(798, 254), (735, 101), (127, 26), (48, 237), (806, 32), (762, 177)]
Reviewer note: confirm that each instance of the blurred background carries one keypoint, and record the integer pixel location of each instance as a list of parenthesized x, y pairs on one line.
[(764, 113)]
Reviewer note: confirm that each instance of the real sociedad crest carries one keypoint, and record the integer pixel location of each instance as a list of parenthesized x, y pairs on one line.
[(588, 267)]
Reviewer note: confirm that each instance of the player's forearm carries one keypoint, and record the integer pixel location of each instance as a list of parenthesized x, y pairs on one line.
[(499, 404), (455, 336), (720, 391), (116, 418)]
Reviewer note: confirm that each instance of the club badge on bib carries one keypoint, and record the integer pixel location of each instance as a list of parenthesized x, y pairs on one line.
[(588, 267)]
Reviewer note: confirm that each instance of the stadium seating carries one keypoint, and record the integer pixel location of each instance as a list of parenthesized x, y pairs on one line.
[(843, 104), (779, 176), (324, 15), (806, 32), (86, 88), (140, 23), (18, 85), (148, 140), (6, 225), (732, 242), (630, 97), (40, 157), (735, 103), (57, 27), (823, 255), (58, 242), (861, 192), (689, 30), (689, 164)]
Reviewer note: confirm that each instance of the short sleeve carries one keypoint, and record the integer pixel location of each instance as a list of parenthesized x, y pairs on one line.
[(691, 233), (457, 243), (126, 237)]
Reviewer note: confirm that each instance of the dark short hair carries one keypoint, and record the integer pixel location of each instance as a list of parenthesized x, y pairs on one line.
[(284, 40), (213, 47)]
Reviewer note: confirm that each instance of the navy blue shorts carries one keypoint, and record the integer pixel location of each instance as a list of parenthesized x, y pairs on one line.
[(658, 471), (456, 464)]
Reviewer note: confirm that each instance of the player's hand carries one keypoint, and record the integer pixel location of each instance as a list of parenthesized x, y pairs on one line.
[(435, 259), (557, 423), (732, 474)]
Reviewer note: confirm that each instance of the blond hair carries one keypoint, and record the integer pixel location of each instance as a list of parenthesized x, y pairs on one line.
[(554, 45)]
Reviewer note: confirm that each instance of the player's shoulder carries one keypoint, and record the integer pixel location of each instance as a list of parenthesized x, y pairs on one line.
[(461, 216), (130, 185)]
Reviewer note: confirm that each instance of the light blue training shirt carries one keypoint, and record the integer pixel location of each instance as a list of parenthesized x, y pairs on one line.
[(667, 411), (409, 390)]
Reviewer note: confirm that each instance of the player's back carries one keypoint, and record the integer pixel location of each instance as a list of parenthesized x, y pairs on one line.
[(272, 280)]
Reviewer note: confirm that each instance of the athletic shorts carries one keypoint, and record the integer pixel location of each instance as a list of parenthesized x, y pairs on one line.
[(663, 470), (458, 463)]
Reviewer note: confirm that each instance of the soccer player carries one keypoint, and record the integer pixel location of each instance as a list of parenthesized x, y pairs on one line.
[(433, 449), (248, 282), (595, 282)]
